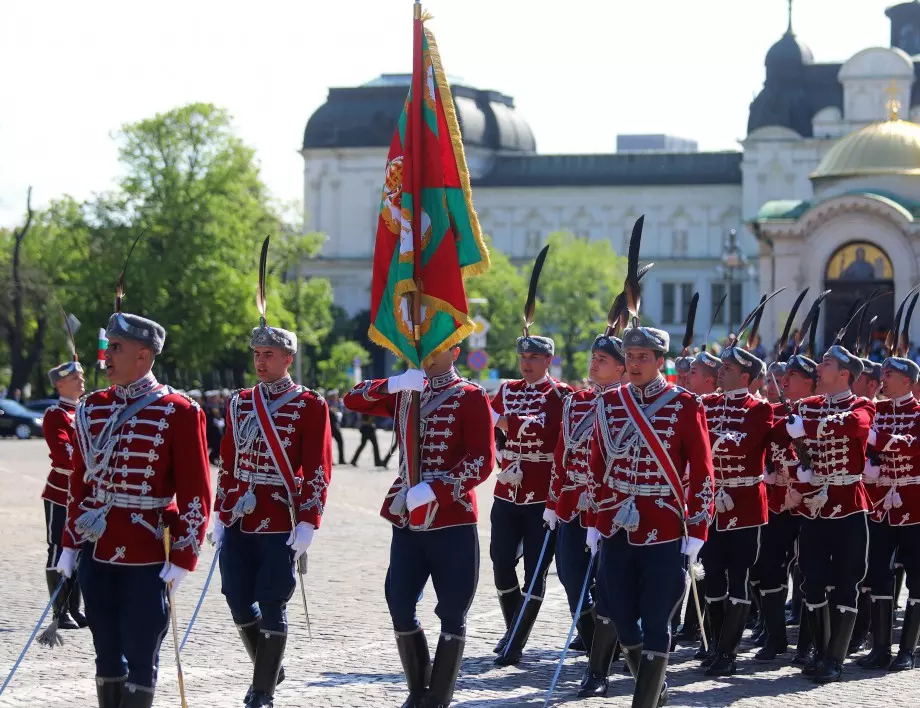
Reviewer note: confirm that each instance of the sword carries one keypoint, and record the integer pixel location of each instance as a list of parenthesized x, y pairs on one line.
[(204, 591), (568, 640), (696, 598), (175, 630), (800, 449), (533, 582), (38, 626), (301, 571)]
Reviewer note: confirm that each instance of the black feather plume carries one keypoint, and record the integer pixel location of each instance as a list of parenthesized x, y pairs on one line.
[(691, 320), (631, 286), (617, 315), (854, 312), (857, 343), (261, 302), (812, 316), (752, 315), (787, 328), (755, 325), (892, 340), (531, 305), (715, 316), (120, 285), (905, 328), (813, 334)]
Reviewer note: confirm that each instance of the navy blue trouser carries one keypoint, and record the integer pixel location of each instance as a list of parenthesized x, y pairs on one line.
[(55, 520), (450, 557), (884, 542), (832, 553), (128, 614), (728, 557), (257, 577), (777, 550), (643, 586), (513, 525), (572, 560)]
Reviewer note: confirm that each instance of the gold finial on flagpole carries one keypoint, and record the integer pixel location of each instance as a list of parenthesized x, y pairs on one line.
[(893, 104)]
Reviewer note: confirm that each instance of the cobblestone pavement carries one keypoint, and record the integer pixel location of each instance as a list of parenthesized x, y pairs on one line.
[(352, 660)]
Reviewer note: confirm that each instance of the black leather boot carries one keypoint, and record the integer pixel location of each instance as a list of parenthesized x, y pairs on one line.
[(109, 690), (510, 602), (515, 647), (269, 654), (416, 663), (882, 627), (632, 657), (445, 670), (773, 607), (585, 627), (841, 632), (910, 635), (249, 634), (859, 640), (716, 612), (805, 644), (820, 621), (136, 697), (605, 640), (732, 630), (651, 690), (74, 602), (60, 609)]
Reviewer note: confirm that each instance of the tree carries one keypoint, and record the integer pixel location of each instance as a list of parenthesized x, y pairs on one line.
[(332, 371), (579, 282)]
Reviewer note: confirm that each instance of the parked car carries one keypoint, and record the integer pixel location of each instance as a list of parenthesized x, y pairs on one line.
[(16, 419), (41, 405)]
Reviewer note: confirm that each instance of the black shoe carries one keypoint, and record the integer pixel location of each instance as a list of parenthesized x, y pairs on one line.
[(135, 697), (416, 663), (108, 691), (595, 682), (882, 623), (514, 649), (841, 632), (444, 671), (578, 645), (730, 639), (650, 686), (267, 666), (774, 618), (510, 602), (820, 621), (910, 635), (260, 699)]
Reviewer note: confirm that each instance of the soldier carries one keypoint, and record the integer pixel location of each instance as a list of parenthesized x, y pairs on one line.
[(275, 468), (834, 427), (569, 505), (58, 431), (140, 471), (895, 515), (529, 412), (869, 382), (738, 426), (682, 366), (434, 521), (704, 374), (649, 433)]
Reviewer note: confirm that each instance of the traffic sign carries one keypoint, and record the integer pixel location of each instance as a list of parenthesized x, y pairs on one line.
[(477, 360), (477, 340), (482, 324), (557, 361)]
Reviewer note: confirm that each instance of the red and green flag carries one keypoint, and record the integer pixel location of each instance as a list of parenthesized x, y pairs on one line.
[(428, 235)]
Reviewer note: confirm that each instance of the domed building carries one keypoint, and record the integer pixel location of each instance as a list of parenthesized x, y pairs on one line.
[(825, 192)]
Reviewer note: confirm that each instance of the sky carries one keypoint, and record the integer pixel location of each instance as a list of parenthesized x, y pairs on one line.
[(580, 71)]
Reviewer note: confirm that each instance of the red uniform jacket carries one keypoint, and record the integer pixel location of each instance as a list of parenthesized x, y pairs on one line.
[(130, 482), (836, 432), (634, 493), (250, 487), (458, 447), (571, 485), (739, 425), (534, 416), (895, 495), (781, 464), (57, 427)]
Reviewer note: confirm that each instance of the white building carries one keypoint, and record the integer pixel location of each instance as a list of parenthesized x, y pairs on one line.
[(826, 185)]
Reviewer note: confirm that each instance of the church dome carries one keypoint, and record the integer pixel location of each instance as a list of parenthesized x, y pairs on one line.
[(787, 57), (887, 148)]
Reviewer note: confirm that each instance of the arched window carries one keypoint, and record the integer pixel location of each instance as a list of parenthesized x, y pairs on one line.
[(860, 261)]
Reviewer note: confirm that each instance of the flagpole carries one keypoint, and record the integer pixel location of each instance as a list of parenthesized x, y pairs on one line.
[(414, 451)]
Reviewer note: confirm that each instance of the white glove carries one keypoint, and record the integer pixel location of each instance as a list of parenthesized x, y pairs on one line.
[(172, 575), (549, 516), (690, 546), (220, 423), (803, 474), (411, 380), (67, 562), (873, 436), (419, 495), (871, 471), (592, 538), (300, 539), (795, 427), (216, 534)]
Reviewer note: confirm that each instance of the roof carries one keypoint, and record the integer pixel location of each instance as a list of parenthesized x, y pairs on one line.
[(791, 210), (885, 148), (628, 169)]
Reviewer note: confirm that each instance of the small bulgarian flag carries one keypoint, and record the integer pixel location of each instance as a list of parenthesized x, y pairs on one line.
[(428, 236), (100, 350)]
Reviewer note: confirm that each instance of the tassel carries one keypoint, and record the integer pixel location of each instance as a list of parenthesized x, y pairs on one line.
[(817, 501), (627, 515), (246, 504), (697, 571), (583, 503), (91, 524), (793, 498), (51, 637), (724, 502), (398, 505), (769, 477), (896, 500)]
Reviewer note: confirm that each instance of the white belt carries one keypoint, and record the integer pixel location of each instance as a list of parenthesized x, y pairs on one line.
[(129, 501), (270, 480), (639, 490), (578, 477), (897, 481), (527, 456), (62, 470), (834, 480), (740, 481)]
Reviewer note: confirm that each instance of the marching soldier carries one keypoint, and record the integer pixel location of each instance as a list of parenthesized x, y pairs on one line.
[(738, 426), (682, 366), (895, 515), (58, 431), (434, 522), (140, 471), (704, 374), (649, 432), (529, 412), (569, 505), (275, 468), (834, 428)]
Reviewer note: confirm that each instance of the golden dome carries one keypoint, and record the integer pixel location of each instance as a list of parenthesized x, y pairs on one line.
[(888, 148)]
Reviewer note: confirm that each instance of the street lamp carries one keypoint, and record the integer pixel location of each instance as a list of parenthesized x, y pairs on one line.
[(734, 261)]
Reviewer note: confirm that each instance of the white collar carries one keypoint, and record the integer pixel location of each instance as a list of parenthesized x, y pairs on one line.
[(599, 389), (737, 393), (539, 382), (839, 397), (278, 385), (652, 388), (444, 380), (144, 384), (68, 401), (906, 398)]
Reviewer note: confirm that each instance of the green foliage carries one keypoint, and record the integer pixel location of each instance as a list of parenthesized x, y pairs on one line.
[(332, 372)]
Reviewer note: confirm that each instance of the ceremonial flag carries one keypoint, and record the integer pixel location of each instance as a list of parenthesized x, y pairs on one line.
[(425, 252)]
